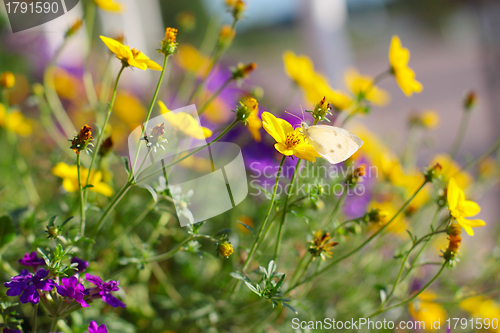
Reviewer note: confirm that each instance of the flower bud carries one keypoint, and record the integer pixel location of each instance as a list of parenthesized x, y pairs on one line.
[(225, 249), (321, 110), (470, 100), (74, 28), (237, 8), (7, 80), (169, 43), (226, 36), (106, 147), (242, 71), (433, 173)]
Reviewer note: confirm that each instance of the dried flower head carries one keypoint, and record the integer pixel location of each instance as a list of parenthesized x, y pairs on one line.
[(226, 36), (470, 100), (155, 139), (7, 80), (82, 140), (106, 147), (321, 245), (449, 254), (433, 172)]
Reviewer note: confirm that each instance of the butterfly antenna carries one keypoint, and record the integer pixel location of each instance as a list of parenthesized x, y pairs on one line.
[(303, 116), (291, 114)]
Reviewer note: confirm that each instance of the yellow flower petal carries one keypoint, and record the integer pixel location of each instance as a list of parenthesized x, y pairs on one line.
[(110, 5), (470, 208), (273, 126), (453, 194)]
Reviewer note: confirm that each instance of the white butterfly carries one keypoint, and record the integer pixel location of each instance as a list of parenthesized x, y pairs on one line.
[(334, 144)]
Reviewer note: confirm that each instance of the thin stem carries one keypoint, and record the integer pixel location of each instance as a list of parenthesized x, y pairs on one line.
[(103, 128), (80, 194), (35, 317), (490, 151), (138, 220), (285, 209), (364, 243), (53, 325), (462, 129), (151, 106), (261, 229), (335, 209), (410, 298), (112, 205), (214, 96), (170, 253)]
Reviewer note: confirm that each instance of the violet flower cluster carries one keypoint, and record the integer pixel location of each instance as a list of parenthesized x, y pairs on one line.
[(28, 285)]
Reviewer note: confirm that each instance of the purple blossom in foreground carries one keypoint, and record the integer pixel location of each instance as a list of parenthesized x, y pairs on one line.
[(8, 330), (32, 260), (93, 328), (71, 288), (27, 284), (104, 289), (82, 264)]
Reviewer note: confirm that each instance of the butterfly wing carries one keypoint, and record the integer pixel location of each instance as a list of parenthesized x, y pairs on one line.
[(333, 143)]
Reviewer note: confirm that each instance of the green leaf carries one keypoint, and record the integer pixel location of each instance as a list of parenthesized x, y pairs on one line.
[(67, 220), (222, 232), (252, 288), (271, 268), (88, 186), (126, 164), (246, 226), (240, 276), (290, 307), (52, 221), (7, 230), (300, 215)]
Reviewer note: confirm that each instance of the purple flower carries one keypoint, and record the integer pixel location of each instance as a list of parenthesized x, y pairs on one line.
[(27, 284), (104, 290), (82, 264), (32, 260), (8, 330), (93, 328), (71, 288)]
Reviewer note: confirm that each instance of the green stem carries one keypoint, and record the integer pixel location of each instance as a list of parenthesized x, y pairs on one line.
[(214, 96), (35, 317), (150, 110), (261, 229), (53, 325), (335, 209), (138, 220), (410, 298), (112, 205), (364, 243), (462, 129), (285, 209), (171, 253), (103, 128), (80, 194), (490, 151)]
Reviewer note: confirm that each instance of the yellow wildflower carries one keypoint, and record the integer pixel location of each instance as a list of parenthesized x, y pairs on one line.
[(427, 119), (15, 122), (451, 169), (289, 141), (65, 84), (110, 5), (129, 108), (405, 77), (488, 168), (69, 174), (424, 309), (191, 60), (130, 56), (184, 123), (321, 245), (484, 308), (388, 211), (461, 208), (7, 80), (362, 87), (301, 70)]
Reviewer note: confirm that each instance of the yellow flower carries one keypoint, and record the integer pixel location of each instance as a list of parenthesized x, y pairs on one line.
[(130, 56), (362, 87), (289, 141), (488, 168), (461, 208), (321, 245), (15, 122), (451, 169), (301, 70), (110, 5), (430, 119), (129, 109), (69, 174), (424, 309), (225, 249), (65, 84), (7, 80), (405, 77), (185, 123), (252, 121), (398, 226), (484, 308), (191, 60)]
